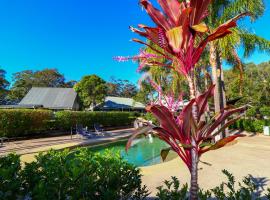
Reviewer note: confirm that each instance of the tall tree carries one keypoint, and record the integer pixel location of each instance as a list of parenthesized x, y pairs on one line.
[(23, 81), (92, 90), (225, 48), (121, 88), (3, 85)]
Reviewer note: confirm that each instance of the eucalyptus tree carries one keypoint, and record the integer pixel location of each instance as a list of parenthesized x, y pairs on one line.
[(225, 49)]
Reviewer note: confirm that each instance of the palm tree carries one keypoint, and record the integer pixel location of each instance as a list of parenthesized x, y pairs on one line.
[(225, 49)]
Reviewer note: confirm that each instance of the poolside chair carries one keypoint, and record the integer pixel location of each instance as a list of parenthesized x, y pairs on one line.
[(98, 129), (83, 131)]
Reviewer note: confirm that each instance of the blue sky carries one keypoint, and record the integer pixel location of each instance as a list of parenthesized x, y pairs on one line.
[(79, 37)]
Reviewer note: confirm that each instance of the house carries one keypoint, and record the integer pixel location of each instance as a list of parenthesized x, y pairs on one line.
[(120, 104), (49, 98)]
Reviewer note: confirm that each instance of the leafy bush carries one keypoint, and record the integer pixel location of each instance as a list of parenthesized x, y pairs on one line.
[(250, 125), (67, 119), (265, 111), (10, 179), (226, 190), (21, 122), (251, 112), (71, 175)]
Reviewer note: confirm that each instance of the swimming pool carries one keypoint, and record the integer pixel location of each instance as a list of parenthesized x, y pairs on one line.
[(144, 151)]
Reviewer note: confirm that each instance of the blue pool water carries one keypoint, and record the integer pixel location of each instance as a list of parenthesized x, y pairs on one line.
[(143, 152)]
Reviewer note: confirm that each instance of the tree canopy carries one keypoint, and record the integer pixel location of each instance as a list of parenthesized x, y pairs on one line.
[(3, 85), (23, 81), (121, 88), (92, 90), (256, 81)]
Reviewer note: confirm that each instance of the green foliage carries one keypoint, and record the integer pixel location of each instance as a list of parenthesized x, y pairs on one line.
[(92, 90), (256, 82), (10, 179), (22, 122), (71, 175), (171, 190), (68, 119), (265, 111), (23, 81), (251, 125), (247, 190), (121, 88), (251, 112), (3, 84)]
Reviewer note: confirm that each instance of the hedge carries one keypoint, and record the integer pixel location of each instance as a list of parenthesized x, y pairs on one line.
[(251, 125), (23, 122), (67, 119)]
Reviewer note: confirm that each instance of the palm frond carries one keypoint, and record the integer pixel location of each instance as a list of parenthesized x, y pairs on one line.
[(251, 42), (256, 9)]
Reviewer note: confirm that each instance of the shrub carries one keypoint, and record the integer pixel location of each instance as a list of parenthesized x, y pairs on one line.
[(25, 122), (10, 180), (250, 125), (251, 112), (67, 119), (73, 175), (226, 190), (21, 122), (265, 111)]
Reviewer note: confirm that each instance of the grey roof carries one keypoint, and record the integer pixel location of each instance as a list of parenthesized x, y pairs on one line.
[(52, 98), (120, 103)]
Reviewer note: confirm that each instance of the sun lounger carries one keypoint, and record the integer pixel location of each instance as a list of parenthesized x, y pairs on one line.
[(98, 129)]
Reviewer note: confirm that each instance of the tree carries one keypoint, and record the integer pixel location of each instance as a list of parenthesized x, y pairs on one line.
[(92, 90), (257, 84), (225, 48), (3, 85), (23, 81), (121, 88)]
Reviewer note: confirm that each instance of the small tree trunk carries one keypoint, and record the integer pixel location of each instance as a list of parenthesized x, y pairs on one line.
[(194, 187), (194, 154)]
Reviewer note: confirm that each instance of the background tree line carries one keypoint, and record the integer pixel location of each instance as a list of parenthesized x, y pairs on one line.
[(91, 88)]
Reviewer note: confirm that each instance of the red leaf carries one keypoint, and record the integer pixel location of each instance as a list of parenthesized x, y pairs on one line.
[(156, 15), (137, 133), (166, 120), (172, 8), (221, 143)]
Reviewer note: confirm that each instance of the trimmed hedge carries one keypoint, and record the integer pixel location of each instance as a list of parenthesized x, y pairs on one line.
[(67, 119), (251, 125), (21, 122)]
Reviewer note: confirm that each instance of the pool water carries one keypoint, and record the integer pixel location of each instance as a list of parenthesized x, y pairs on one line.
[(143, 152)]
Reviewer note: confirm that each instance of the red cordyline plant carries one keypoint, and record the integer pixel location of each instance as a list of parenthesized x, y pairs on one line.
[(179, 38)]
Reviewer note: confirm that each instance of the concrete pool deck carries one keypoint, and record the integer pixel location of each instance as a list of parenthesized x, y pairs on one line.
[(29, 148), (251, 155)]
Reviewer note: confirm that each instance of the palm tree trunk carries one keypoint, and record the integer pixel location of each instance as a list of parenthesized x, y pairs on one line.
[(218, 80), (240, 68)]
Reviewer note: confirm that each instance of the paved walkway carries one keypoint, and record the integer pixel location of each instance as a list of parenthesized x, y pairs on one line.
[(251, 155), (28, 148)]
